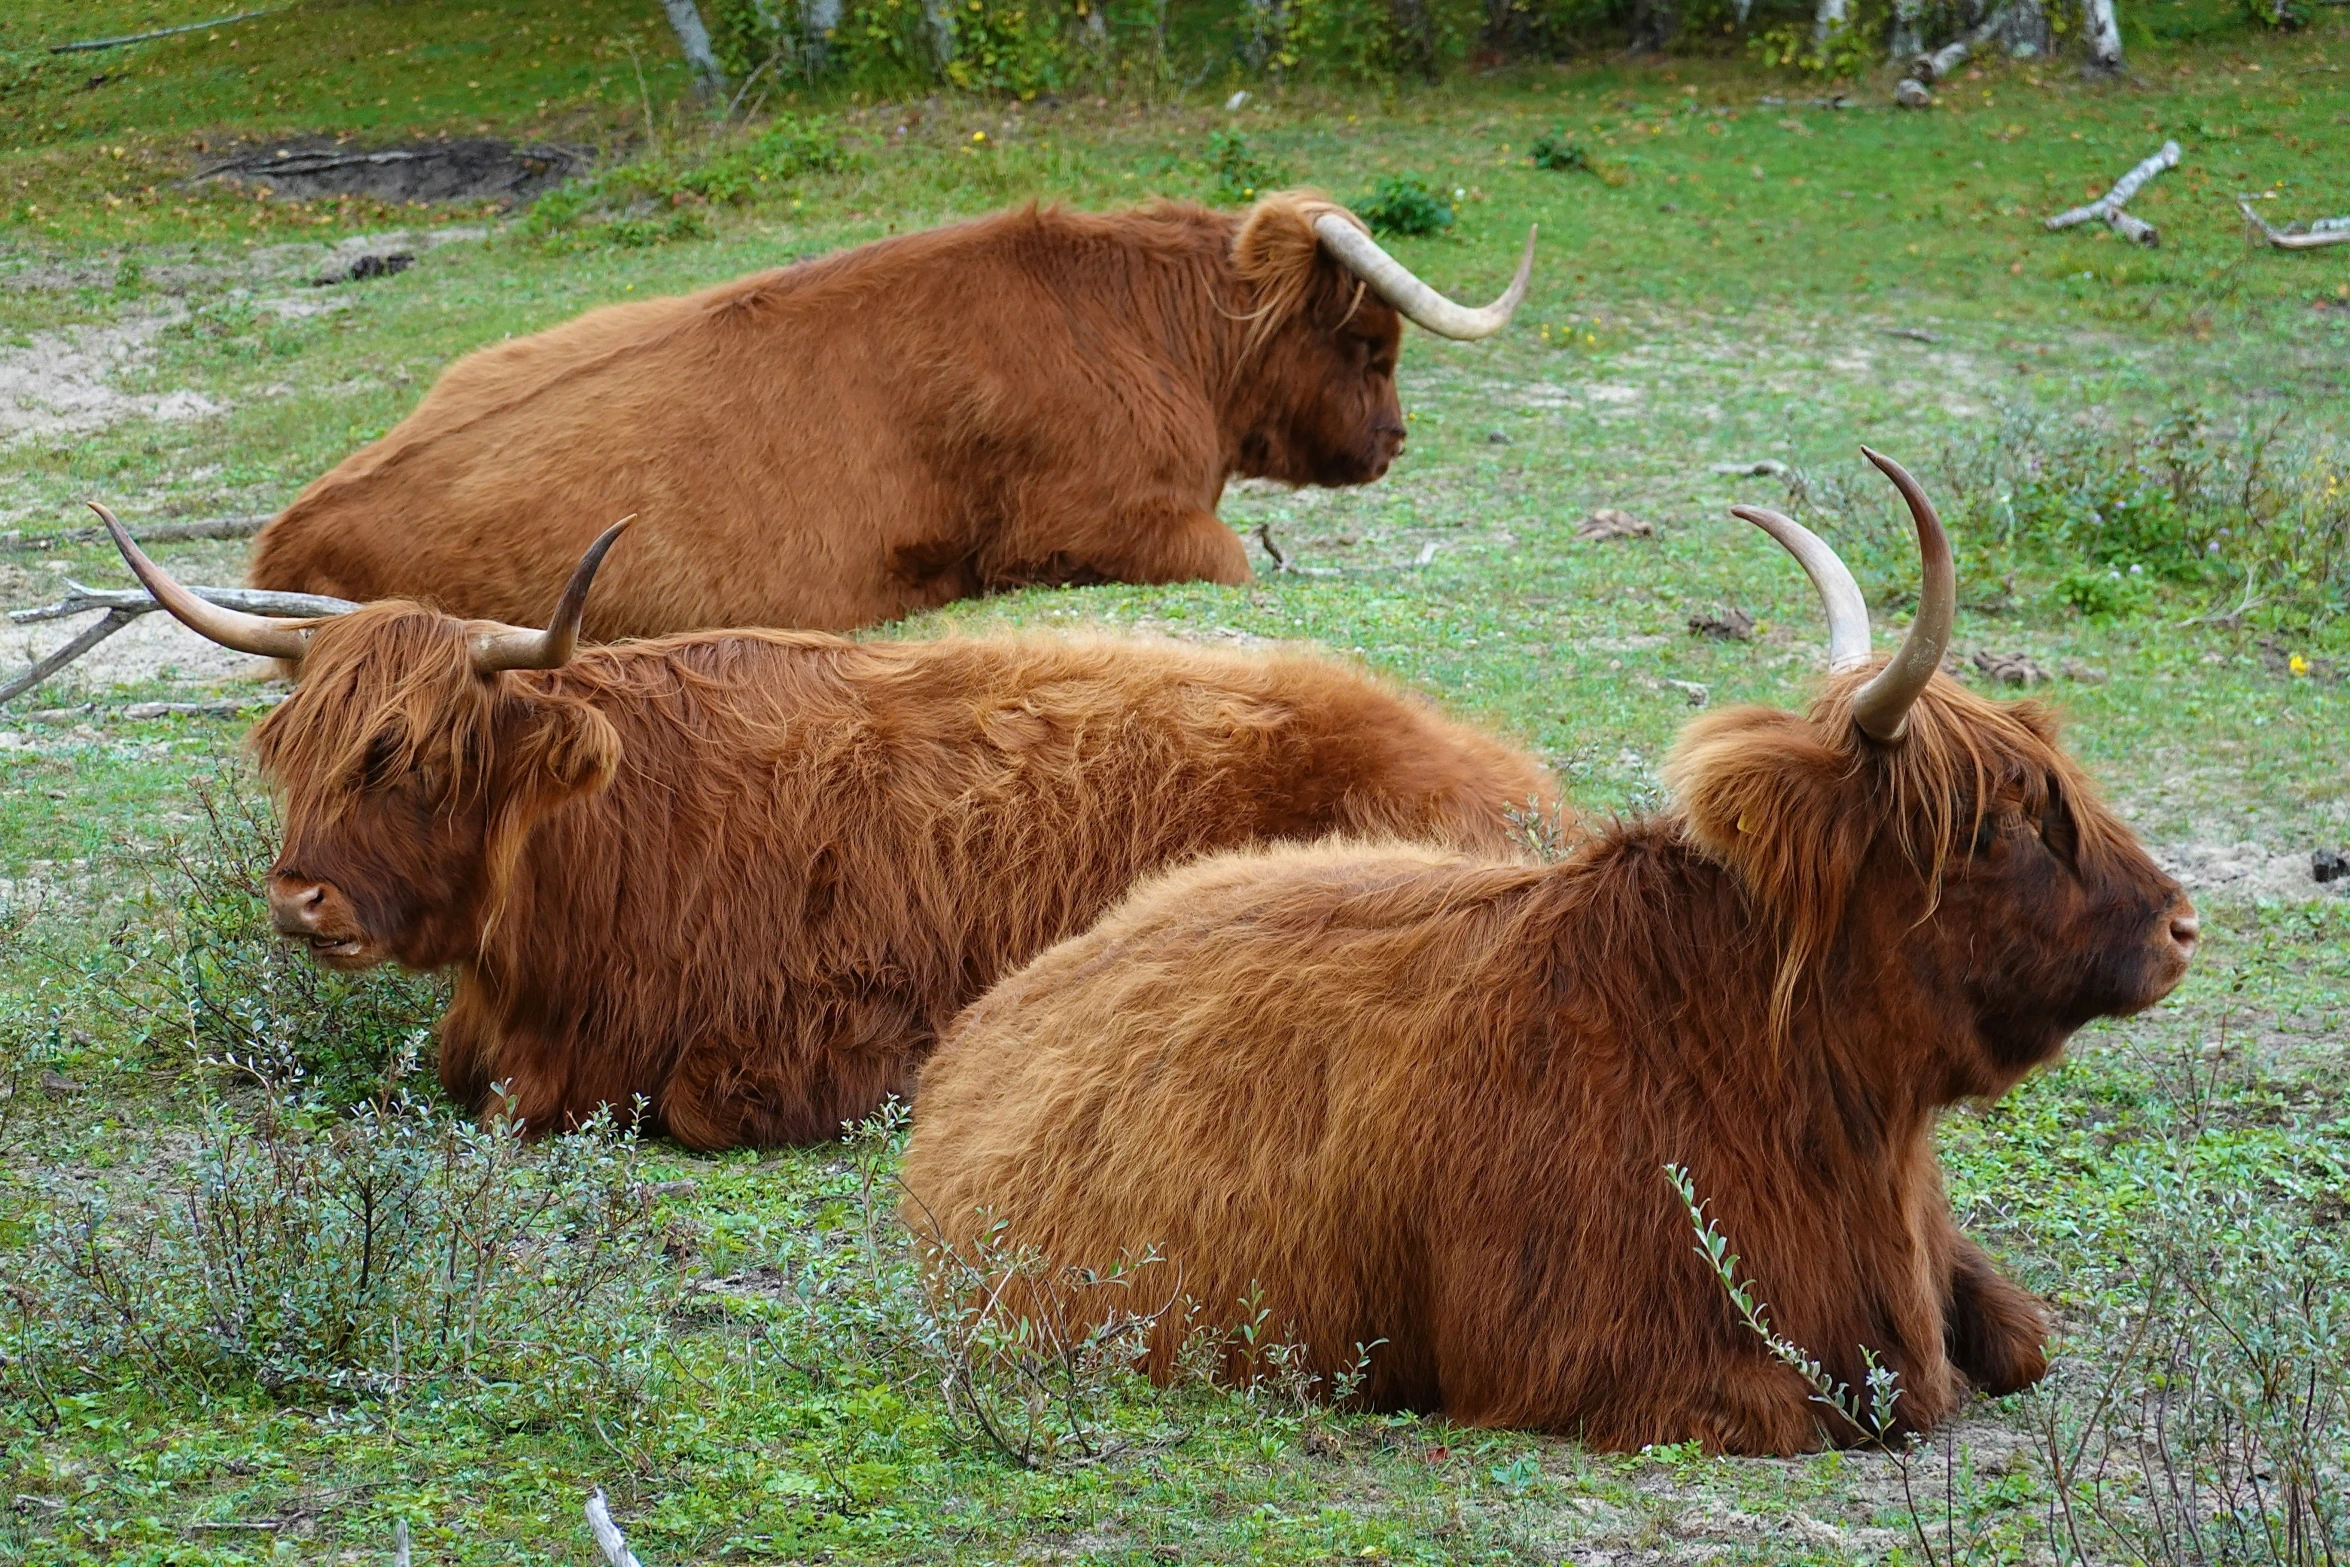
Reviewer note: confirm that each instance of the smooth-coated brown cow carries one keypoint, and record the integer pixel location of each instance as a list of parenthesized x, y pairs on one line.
[(1038, 396), (750, 876), (1420, 1102)]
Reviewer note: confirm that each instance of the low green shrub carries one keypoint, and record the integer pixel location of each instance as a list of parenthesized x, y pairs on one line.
[(2248, 521), (246, 995), (1402, 204), (663, 198), (1558, 154), (1241, 173), (353, 1256)]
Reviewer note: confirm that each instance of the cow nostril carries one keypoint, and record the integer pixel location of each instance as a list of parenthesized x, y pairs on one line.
[(2185, 930), (313, 899)]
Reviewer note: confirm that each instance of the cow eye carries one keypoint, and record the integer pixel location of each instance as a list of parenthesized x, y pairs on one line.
[(383, 756), (1987, 829)]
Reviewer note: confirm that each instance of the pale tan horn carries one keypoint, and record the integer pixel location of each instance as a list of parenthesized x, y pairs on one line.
[(231, 628), (497, 646), (1414, 300), (1848, 612), (1882, 706)]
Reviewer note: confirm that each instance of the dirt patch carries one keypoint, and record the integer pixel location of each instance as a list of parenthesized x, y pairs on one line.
[(2245, 870), (62, 383), (475, 169), (153, 647)]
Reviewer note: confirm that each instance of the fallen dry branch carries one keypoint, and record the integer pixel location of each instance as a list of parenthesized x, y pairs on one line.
[(80, 600), (124, 605), (88, 44), (2107, 208), (1935, 64), (610, 1543), (2325, 231), (162, 533)]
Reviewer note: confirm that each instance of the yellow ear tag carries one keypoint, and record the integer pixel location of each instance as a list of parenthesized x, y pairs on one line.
[(1745, 822)]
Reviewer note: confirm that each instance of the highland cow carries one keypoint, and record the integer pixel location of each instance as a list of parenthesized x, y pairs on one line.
[(1040, 396), (1419, 1104), (749, 877)]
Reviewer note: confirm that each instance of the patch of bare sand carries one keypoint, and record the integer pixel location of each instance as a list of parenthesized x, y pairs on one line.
[(63, 383)]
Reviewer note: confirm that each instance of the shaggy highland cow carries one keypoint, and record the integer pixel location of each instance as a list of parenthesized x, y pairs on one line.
[(1423, 1102), (750, 876), (1041, 396)]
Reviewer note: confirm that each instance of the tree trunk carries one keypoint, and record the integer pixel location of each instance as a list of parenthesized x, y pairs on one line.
[(1653, 24), (1908, 37), (817, 20), (694, 39), (1826, 21), (2105, 38), (2026, 31), (939, 17)]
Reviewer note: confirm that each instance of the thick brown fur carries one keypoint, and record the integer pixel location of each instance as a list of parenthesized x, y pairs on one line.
[(1422, 1102), (750, 876), (1038, 396)]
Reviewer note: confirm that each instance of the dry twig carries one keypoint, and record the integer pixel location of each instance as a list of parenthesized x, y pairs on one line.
[(2325, 231), (124, 605), (610, 1543), (2107, 209)]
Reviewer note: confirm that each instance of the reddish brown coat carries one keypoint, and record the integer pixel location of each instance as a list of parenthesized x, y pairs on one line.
[(1423, 1102), (749, 877), (1038, 396)]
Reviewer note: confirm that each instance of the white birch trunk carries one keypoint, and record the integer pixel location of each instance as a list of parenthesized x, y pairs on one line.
[(1907, 38), (939, 17), (694, 39), (2102, 210), (1828, 19), (2105, 37), (817, 20)]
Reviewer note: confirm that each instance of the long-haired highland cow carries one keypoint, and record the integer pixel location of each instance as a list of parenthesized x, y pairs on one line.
[(750, 876), (1037, 396), (1421, 1102)]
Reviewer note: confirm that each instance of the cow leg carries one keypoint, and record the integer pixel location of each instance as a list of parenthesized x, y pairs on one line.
[(1189, 546), (1997, 1333), (723, 1094)]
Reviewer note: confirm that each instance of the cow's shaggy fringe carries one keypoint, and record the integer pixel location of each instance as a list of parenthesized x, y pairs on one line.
[(1799, 836)]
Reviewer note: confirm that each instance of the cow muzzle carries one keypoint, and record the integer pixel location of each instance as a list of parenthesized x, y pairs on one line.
[(317, 913)]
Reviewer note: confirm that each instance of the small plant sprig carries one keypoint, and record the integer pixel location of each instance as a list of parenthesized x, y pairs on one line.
[(1872, 1419), (1401, 204), (1560, 155)]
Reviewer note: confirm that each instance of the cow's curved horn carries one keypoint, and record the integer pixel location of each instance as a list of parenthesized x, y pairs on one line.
[(1414, 300), (497, 647), (1848, 612), (231, 628), (1882, 706)]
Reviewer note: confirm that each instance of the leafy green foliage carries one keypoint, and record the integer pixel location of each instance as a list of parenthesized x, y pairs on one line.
[(1242, 174), (1559, 154), (663, 199), (1403, 204), (250, 997), (2252, 517), (355, 1256)]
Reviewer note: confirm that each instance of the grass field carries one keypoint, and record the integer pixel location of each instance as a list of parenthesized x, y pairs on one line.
[(2146, 456)]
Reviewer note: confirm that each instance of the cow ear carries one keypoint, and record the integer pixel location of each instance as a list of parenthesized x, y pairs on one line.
[(1762, 793), (568, 748)]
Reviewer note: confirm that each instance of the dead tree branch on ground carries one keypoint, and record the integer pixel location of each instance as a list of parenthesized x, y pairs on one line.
[(2325, 231), (2108, 207)]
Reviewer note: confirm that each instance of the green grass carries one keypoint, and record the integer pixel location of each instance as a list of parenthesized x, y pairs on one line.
[(1723, 289)]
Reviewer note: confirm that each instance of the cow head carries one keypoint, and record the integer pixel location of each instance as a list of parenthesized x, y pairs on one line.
[(1315, 401), (409, 763), (1910, 837)]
